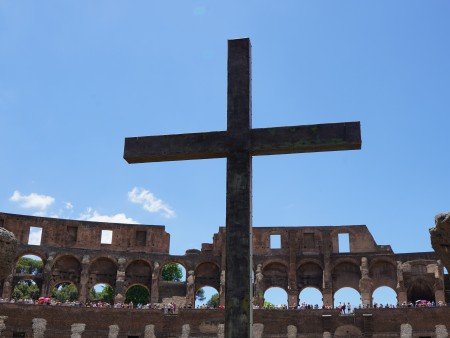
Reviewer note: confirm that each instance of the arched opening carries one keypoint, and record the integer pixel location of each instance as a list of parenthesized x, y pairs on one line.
[(207, 297), (139, 272), (275, 297), (29, 265), (172, 281), (384, 296), (103, 271), (138, 295), (347, 331), (66, 269), (347, 296), (420, 290), (25, 290), (384, 273), (309, 275), (310, 298), (346, 274), (207, 274), (64, 292), (275, 275), (101, 293)]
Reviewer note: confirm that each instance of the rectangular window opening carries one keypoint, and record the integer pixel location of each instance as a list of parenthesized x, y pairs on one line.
[(72, 234), (35, 236), (141, 238), (106, 237), (275, 241), (344, 242)]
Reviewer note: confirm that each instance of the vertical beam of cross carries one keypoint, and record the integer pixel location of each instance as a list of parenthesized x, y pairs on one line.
[(238, 286)]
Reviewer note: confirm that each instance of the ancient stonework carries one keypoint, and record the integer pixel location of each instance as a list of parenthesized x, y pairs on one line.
[(113, 331), (441, 331), (406, 331), (2, 324), (149, 331), (39, 326), (440, 238), (291, 331), (8, 248), (185, 331), (327, 334), (77, 329), (221, 331), (258, 330)]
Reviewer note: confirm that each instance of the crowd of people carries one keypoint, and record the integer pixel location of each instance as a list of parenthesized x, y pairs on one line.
[(172, 308)]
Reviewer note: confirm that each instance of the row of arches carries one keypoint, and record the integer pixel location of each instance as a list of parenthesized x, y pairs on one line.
[(103, 270), (311, 296)]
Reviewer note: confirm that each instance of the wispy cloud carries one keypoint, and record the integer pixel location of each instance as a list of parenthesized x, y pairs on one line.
[(150, 202), (68, 205), (32, 201), (93, 215)]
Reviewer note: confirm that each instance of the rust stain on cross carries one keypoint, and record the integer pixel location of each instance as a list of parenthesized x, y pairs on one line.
[(239, 143)]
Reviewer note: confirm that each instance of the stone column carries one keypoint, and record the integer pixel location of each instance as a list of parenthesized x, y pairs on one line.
[(7, 287), (149, 331), (405, 331), (47, 275), (259, 287), (402, 296), (39, 326), (190, 288), (327, 298), (185, 331), (327, 287), (2, 324), (292, 299), (221, 331), (8, 250), (120, 281), (154, 294), (292, 331), (258, 330), (113, 331), (327, 334), (365, 284), (77, 329), (84, 278), (441, 331), (222, 288)]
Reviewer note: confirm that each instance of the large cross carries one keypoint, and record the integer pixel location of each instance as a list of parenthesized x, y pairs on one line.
[(238, 144)]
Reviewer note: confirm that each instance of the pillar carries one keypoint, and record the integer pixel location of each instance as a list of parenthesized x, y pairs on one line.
[(39, 326), (84, 278), (441, 331), (439, 296), (405, 331), (113, 331), (77, 329), (327, 298), (190, 288), (149, 331), (154, 294), (7, 287), (2, 324), (185, 331), (258, 330), (292, 299), (292, 331), (119, 289), (402, 297), (221, 331), (222, 289)]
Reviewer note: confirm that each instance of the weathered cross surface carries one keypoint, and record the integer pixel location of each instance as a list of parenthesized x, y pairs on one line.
[(238, 144)]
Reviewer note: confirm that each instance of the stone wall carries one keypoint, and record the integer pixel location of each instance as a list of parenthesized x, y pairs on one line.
[(205, 323)]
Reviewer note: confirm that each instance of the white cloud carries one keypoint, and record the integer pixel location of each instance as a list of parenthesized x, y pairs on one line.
[(68, 205), (149, 202), (32, 201), (93, 215)]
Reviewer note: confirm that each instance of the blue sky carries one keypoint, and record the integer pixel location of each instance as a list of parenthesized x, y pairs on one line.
[(77, 77)]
